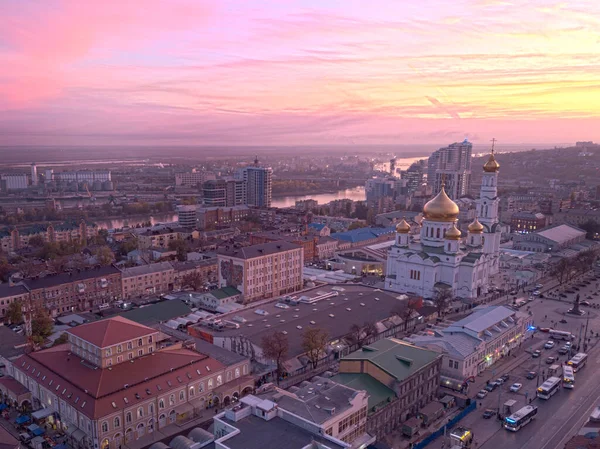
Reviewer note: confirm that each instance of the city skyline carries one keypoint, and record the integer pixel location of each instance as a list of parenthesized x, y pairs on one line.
[(298, 73)]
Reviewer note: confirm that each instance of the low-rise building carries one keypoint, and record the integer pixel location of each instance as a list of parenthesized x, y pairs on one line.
[(79, 290), (399, 377), (9, 294), (262, 271), (325, 248), (160, 238), (220, 217), (12, 239), (114, 382), (150, 279), (577, 217), (363, 237), (526, 222), (307, 242), (552, 239), (476, 342), (203, 271)]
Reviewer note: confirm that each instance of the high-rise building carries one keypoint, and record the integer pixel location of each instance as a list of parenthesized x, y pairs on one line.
[(34, 175), (380, 193), (235, 194), (451, 165), (258, 183), (215, 193), (187, 216), (414, 175)]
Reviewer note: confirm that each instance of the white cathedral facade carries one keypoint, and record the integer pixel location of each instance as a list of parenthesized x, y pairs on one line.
[(442, 258)]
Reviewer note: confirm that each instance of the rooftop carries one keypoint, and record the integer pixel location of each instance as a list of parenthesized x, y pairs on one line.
[(561, 233), (155, 313), (363, 234), (455, 344), (378, 392), (263, 249), (7, 290), (225, 292), (483, 318), (147, 269), (398, 358), (111, 331), (11, 343), (54, 280), (256, 433)]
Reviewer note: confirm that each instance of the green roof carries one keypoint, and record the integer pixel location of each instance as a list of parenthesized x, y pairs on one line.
[(398, 358), (472, 257), (225, 292), (155, 313), (378, 392)]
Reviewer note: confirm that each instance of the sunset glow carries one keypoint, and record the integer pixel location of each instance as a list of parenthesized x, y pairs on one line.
[(298, 72)]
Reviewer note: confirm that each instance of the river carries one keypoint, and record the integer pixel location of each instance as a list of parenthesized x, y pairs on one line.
[(117, 223), (356, 194)]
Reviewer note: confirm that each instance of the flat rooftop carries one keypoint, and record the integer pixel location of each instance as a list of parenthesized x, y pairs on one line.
[(256, 433), (356, 304)]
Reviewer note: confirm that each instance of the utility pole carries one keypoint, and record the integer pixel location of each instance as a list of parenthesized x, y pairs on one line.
[(587, 322), (579, 339), (539, 370), (499, 411)]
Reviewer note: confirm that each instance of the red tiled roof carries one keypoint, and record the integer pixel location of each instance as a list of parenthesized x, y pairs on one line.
[(111, 331), (93, 390), (13, 385)]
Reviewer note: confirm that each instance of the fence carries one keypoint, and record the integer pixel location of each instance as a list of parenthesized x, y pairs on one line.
[(438, 433)]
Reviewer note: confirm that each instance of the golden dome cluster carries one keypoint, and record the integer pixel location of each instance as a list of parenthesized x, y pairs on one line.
[(441, 208)]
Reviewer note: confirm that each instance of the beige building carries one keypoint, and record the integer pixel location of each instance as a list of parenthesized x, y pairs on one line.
[(262, 271), (112, 383), (162, 237), (150, 279)]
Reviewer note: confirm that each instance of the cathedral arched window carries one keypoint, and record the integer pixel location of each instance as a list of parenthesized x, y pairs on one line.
[(438, 233)]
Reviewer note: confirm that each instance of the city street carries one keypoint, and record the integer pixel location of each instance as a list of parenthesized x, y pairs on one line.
[(562, 415)]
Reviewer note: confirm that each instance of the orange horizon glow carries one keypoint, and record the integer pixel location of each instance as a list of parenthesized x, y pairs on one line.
[(298, 72)]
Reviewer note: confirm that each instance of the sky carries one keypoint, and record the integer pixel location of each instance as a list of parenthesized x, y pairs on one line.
[(292, 72)]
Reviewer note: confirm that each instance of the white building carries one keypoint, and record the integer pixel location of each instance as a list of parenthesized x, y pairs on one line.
[(193, 178), (476, 342), (440, 259), (262, 271), (187, 216), (15, 181), (88, 176), (34, 175)]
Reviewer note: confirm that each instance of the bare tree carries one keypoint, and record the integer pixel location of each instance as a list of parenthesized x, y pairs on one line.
[(314, 343), (193, 280), (559, 271), (359, 335), (276, 347), (404, 310), (443, 297)]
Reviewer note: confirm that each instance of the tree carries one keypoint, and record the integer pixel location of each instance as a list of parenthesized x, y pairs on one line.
[(356, 225), (128, 245), (360, 334), (37, 241), (5, 269), (405, 310), (592, 228), (41, 326), (14, 312), (64, 337), (181, 248), (559, 270), (314, 343), (276, 346), (193, 280), (443, 297), (104, 255)]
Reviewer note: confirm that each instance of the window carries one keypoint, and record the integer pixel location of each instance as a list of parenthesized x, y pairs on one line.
[(129, 345), (450, 363), (228, 376), (219, 380), (200, 387), (140, 412), (130, 355), (128, 418), (150, 349), (182, 395), (192, 392), (108, 352), (455, 365), (117, 422), (150, 339), (109, 362), (210, 384), (237, 372), (119, 358), (140, 342), (172, 399), (245, 369), (151, 409), (104, 427), (140, 352), (119, 349), (161, 404)]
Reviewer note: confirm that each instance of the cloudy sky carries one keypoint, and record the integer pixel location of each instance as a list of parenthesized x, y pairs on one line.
[(278, 72)]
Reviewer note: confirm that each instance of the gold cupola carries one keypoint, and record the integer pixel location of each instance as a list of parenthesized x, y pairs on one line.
[(403, 227), (453, 233), (491, 165), (475, 227), (441, 208)]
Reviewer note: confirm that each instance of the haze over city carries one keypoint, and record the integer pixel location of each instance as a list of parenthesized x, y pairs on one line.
[(298, 72)]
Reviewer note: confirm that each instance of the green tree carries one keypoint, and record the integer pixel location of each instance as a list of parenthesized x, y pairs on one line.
[(64, 337), (14, 312), (128, 245), (41, 326)]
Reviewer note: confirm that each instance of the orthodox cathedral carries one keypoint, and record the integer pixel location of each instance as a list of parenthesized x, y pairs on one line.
[(442, 258)]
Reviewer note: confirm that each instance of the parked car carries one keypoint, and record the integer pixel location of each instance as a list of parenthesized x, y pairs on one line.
[(489, 413), (549, 344), (538, 286), (491, 386), (482, 394), (531, 375), (535, 354), (499, 381), (544, 329), (562, 295), (505, 377), (563, 350), (536, 293), (584, 303), (516, 387), (550, 360)]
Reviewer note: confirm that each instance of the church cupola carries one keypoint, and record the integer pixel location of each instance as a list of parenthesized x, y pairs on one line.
[(452, 237), (475, 237), (403, 233)]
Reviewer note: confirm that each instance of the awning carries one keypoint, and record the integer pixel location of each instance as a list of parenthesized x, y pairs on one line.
[(78, 435), (22, 419), (42, 413), (184, 408), (33, 427)]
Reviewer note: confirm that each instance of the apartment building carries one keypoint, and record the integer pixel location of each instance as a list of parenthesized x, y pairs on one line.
[(160, 238), (258, 185), (9, 294), (307, 242), (193, 178), (399, 377), (262, 271), (526, 222), (69, 231), (146, 280), (79, 290), (206, 269), (113, 383), (220, 217)]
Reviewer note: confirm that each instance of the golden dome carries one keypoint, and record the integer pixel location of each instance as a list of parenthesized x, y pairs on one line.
[(453, 233), (403, 227), (475, 227), (441, 208), (491, 165)]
